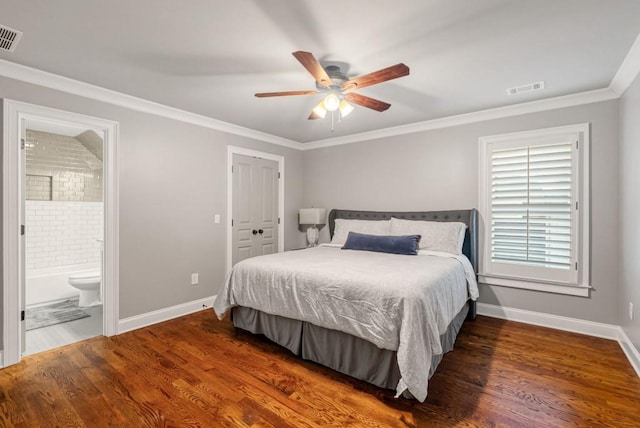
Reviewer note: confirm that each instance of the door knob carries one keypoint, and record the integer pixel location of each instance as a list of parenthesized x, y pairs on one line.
[(255, 232), (260, 231)]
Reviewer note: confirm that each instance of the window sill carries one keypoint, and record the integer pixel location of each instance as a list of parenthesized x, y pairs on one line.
[(581, 291)]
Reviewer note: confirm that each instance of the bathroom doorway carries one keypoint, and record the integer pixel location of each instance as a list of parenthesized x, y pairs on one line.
[(64, 233), (60, 246)]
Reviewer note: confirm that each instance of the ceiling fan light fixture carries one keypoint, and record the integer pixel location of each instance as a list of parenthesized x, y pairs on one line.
[(335, 86), (345, 108), (331, 102), (319, 110)]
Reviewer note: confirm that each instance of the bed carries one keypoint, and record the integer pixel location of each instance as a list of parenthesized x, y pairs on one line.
[(352, 312)]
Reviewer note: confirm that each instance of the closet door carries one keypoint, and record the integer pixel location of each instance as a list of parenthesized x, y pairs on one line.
[(255, 207)]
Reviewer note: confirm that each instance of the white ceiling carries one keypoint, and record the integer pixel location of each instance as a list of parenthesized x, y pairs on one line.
[(210, 57)]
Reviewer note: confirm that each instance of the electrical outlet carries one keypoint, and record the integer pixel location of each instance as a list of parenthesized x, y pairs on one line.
[(216, 218), (194, 279), (631, 311)]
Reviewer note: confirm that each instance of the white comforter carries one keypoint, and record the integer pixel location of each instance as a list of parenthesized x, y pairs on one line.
[(401, 303)]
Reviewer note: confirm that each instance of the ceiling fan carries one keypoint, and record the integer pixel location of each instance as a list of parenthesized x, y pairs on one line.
[(339, 88)]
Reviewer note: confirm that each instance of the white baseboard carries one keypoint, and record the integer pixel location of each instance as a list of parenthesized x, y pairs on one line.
[(606, 331), (574, 325), (1, 359), (154, 317), (629, 350)]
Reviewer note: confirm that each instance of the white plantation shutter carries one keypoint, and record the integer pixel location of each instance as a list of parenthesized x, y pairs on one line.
[(531, 207)]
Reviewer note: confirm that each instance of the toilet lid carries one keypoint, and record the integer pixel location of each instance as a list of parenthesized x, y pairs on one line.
[(85, 276)]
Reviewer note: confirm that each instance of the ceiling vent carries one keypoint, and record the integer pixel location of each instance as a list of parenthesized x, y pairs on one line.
[(525, 88), (9, 38)]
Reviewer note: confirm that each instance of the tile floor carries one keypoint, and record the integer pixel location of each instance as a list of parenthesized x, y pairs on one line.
[(53, 336)]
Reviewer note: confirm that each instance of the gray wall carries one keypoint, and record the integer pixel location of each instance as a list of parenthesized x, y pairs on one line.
[(629, 210), (172, 182), (438, 169)]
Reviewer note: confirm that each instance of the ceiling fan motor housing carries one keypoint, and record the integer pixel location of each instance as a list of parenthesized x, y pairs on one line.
[(337, 77)]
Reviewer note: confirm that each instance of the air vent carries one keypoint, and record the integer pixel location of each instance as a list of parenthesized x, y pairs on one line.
[(9, 38), (525, 88)]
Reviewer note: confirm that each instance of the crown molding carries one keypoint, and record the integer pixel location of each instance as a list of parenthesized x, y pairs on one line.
[(467, 118), (624, 77), (628, 71), (626, 74), (64, 84)]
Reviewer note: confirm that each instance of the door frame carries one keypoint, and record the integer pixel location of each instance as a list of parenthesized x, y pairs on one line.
[(234, 150), (12, 261)]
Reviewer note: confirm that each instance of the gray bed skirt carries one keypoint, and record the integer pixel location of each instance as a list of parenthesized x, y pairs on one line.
[(337, 350)]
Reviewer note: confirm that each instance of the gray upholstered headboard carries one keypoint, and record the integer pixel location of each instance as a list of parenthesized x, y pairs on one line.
[(468, 217)]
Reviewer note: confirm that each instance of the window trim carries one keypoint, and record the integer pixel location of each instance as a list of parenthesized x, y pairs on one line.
[(583, 218)]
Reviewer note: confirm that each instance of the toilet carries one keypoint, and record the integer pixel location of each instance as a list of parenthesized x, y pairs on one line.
[(89, 285)]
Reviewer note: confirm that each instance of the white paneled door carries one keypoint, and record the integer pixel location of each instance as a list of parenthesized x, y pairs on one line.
[(255, 207)]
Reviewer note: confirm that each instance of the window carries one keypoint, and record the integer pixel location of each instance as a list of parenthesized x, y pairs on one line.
[(534, 206)]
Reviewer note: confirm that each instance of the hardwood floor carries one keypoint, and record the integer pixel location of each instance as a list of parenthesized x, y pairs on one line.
[(197, 371)]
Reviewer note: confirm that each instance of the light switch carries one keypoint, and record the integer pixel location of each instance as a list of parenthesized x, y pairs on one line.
[(216, 219)]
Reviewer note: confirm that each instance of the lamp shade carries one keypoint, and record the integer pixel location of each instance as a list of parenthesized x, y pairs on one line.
[(320, 111), (312, 215), (345, 108)]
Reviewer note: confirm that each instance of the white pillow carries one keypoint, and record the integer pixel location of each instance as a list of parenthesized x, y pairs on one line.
[(435, 235), (370, 227)]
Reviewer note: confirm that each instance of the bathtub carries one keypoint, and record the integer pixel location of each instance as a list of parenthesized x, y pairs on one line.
[(50, 284)]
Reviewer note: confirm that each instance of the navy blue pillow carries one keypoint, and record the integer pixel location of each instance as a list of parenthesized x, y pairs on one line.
[(384, 244)]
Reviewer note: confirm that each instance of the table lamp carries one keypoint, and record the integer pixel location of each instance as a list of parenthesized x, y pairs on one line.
[(312, 217)]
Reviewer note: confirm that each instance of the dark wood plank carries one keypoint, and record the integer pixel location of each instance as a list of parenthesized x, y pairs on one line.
[(198, 371)]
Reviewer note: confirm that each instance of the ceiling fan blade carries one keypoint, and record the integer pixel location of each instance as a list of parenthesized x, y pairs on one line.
[(367, 102), (313, 66), (389, 73), (286, 93)]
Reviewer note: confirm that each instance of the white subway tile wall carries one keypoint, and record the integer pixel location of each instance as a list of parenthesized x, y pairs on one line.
[(61, 233), (75, 172)]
